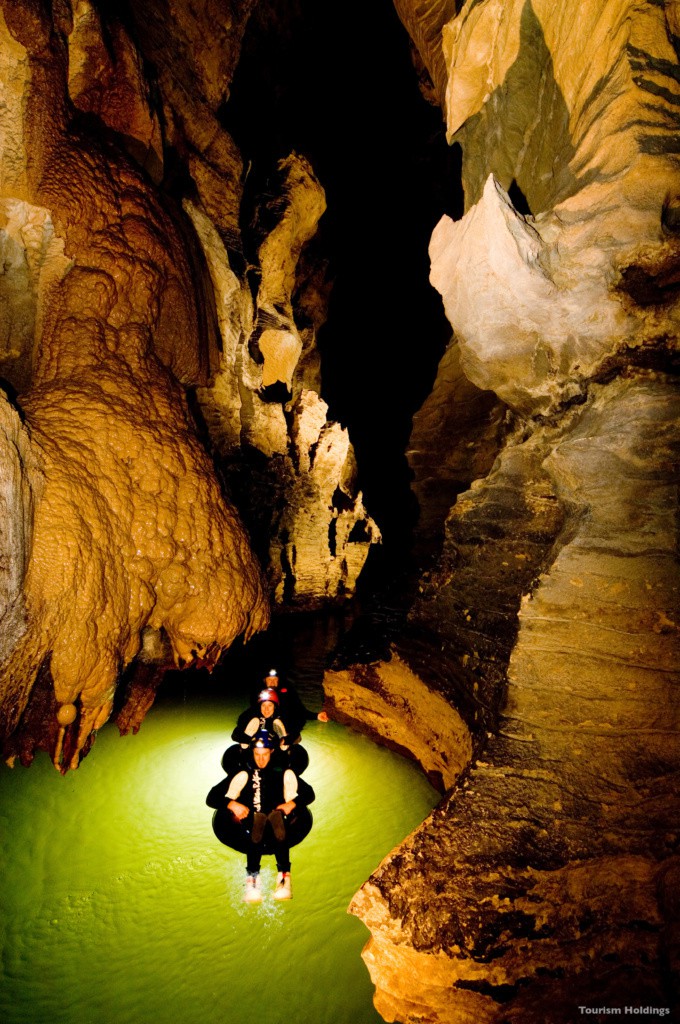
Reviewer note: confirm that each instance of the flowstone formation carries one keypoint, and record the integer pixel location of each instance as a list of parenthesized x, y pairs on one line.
[(130, 532), (149, 336), (290, 468), (293, 470), (547, 879)]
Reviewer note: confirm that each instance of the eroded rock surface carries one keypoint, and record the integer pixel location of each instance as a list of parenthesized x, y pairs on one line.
[(456, 408), (389, 702), (20, 487), (575, 793), (156, 321), (305, 515), (131, 531), (302, 505), (545, 879)]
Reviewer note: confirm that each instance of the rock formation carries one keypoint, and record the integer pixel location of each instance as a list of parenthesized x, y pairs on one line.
[(309, 522), (546, 878), (390, 701), (130, 530), (121, 197), (456, 408), (162, 431)]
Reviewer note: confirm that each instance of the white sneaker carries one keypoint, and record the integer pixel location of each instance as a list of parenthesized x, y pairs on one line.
[(253, 892), (282, 891)]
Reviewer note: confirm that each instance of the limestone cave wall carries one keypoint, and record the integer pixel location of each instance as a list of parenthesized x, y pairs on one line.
[(546, 879), (168, 467), (169, 470)]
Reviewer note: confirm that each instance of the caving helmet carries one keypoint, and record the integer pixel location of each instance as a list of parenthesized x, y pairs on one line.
[(263, 740), (268, 694)]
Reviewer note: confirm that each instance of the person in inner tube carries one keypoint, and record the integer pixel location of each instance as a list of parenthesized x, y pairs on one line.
[(263, 717), (291, 709), (261, 799)]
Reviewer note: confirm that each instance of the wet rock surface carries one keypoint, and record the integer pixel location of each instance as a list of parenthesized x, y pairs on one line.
[(533, 888), (130, 529), (159, 329), (388, 702), (543, 881), (162, 299)]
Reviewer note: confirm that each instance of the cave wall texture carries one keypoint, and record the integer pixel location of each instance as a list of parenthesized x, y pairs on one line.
[(157, 331), (547, 879), (169, 470)]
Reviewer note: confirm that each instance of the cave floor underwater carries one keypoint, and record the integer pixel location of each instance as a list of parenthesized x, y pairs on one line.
[(120, 905)]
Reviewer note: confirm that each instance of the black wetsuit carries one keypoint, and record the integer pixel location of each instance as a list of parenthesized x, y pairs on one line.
[(291, 710), (237, 834), (261, 790), (252, 722)]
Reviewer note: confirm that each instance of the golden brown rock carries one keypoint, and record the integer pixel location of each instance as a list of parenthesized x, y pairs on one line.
[(265, 397), (577, 785), (106, 78), (539, 886), (541, 303), (67, 714), (525, 979), (20, 490), (297, 208), (424, 20), (390, 703), (33, 259), (194, 50), (14, 76), (107, 315), (586, 104), (131, 530)]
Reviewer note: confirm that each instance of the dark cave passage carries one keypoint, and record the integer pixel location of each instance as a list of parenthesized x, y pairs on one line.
[(379, 150)]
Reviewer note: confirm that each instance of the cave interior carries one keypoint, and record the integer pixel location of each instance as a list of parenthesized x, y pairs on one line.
[(367, 316)]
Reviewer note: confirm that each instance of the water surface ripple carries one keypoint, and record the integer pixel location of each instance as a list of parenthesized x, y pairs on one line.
[(119, 906)]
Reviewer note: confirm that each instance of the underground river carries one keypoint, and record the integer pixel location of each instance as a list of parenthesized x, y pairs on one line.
[(119, 906)]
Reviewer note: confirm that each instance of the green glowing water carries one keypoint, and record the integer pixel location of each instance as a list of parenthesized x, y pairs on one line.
[(119, 906)]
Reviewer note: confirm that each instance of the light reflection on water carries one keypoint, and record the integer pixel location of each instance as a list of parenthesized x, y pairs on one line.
[(119, 906)]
